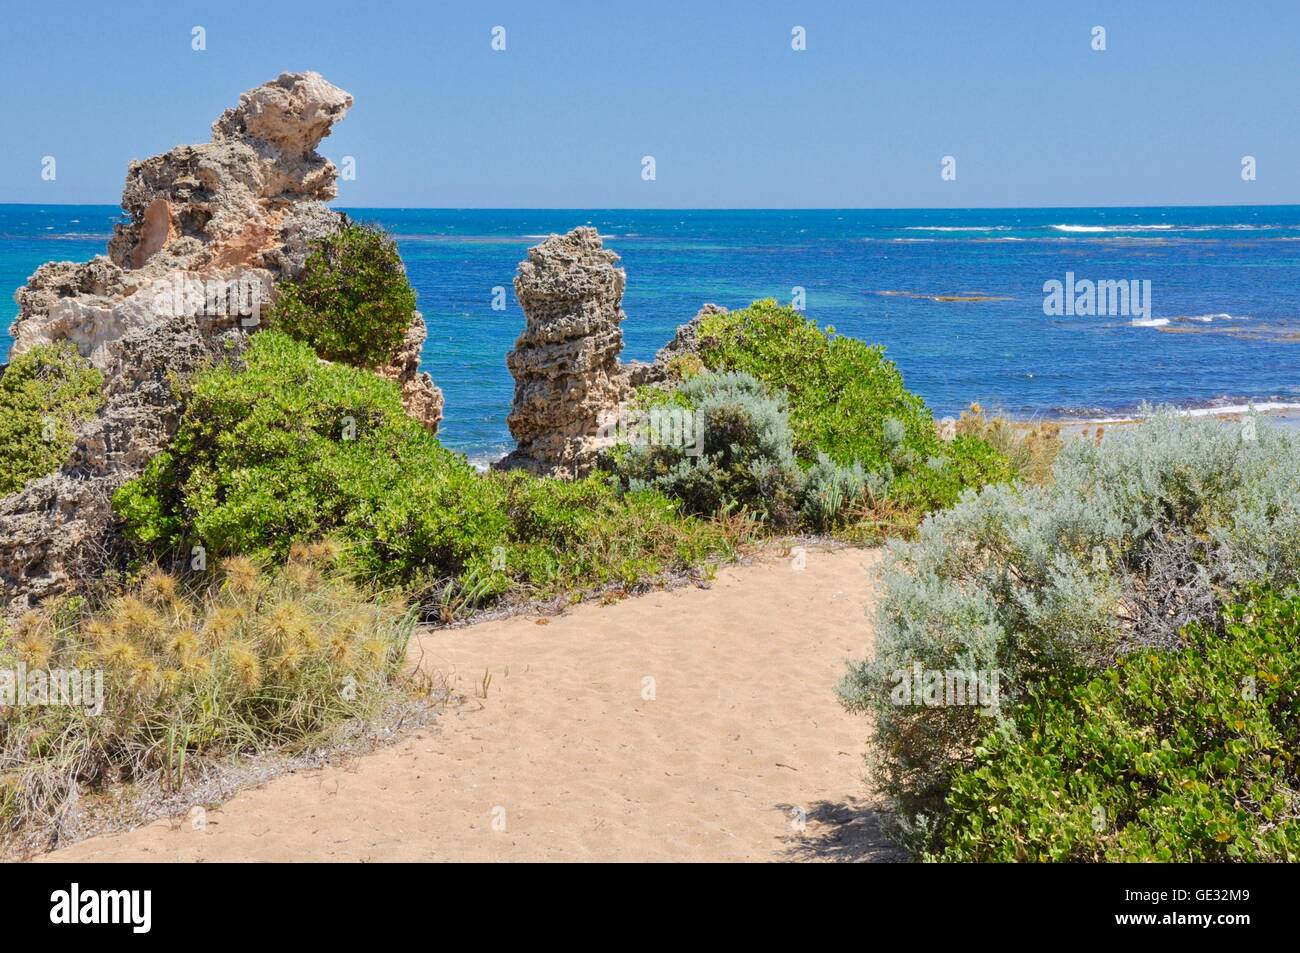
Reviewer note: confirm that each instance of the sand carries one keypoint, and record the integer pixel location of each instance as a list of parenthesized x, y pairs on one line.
[(684, 725)]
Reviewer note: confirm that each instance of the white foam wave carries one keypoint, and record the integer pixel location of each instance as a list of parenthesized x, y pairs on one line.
[(1263, 407), (1094, 229), (1209, 318), (1239, 409), (482, 460)]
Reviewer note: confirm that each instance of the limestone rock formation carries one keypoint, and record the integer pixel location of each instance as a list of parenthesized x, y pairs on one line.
[(568, 381), (211, 228), (421, 399), (685, 342)]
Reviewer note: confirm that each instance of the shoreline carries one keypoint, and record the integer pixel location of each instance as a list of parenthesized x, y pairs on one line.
[(1286, 415)]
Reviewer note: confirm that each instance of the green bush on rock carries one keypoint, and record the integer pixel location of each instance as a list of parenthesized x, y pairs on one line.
[(287, 448), (44, 394), (291, 448), (352, 302)]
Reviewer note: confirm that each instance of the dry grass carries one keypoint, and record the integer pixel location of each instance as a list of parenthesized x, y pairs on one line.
[(1031, 447), (240, 659)]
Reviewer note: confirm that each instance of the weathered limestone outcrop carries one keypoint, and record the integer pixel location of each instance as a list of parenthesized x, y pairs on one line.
[(421, 399), (686, 342), (568, 381), (232, 215)]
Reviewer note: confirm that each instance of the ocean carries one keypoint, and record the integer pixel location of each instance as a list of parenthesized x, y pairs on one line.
[(1221, 326)]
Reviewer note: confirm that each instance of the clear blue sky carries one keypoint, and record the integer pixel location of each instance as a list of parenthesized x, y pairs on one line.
[(733, 116)]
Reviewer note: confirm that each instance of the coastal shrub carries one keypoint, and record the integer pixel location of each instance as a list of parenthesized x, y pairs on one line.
[(288, 448), (1043, 582), (284, 449), (966, 461), (240, 658), (744, 457), (565, 536), (44, 393), (1184, 756), (845, 400), (352, 301), (829, 489)]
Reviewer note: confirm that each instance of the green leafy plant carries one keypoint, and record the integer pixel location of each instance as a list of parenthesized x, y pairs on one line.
[(284, 448), (44, 393), (845, 400), (1030, 448), (352, 301), (741, 454), (287, 448), (1185, 756), (582, 534)]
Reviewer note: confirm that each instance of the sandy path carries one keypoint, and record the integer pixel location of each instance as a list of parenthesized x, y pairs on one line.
[(565, 753)]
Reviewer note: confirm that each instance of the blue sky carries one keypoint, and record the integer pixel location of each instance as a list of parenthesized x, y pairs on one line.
[(733, 116)]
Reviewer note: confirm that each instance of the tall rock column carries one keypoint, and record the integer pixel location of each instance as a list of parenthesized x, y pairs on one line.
[(568, 381)]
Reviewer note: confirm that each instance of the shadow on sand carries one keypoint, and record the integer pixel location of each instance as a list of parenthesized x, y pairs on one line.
[(849, 832)]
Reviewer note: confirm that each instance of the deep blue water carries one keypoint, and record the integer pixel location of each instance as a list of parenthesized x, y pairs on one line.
[(1227, 279)]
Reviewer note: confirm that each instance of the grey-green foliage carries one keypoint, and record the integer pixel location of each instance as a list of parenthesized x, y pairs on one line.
[(1157, 523), (745, 456), (828, 488)]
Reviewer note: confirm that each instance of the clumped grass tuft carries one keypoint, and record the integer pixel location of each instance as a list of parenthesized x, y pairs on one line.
[(1030, 449), (245, 659)]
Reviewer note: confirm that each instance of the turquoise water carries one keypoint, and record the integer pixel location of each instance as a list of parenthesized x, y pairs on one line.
[(1224, 323)]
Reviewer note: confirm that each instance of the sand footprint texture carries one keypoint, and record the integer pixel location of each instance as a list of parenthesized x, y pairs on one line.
[(684, 725)]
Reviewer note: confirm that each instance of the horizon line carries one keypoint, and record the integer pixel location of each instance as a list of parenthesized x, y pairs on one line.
[(710, 208)]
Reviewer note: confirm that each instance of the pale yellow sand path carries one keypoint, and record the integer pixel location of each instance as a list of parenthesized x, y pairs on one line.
[(742, 738)]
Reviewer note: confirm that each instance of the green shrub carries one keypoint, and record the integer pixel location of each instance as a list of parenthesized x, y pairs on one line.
[(44, 394), (1186, 756), (828, 489), (845, 400), (741, 454), (289, 448), (966, 461), (568, 535), (1153, 529), (352, 302), (1030, 448)]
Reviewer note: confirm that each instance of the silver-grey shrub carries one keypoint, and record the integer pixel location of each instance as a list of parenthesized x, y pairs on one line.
[(1151, 528), (746, 458)]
